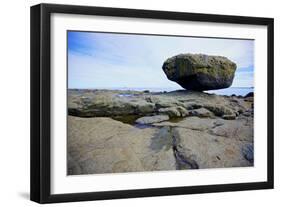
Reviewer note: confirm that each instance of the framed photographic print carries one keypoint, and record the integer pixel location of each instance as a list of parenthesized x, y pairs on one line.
[(133, 103)]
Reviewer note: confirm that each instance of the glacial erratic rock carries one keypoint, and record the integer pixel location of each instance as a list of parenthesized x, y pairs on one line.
[(200, 72)]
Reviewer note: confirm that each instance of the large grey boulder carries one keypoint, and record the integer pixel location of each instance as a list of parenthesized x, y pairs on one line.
[(200, 72)]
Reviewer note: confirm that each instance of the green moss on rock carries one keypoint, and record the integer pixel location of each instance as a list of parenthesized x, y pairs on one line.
[(200, 72)]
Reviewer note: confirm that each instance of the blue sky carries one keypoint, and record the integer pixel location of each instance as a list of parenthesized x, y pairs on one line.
[(106, 60)]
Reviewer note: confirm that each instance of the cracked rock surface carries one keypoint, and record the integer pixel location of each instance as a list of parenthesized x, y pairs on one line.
[(113, 132), (103, 145)]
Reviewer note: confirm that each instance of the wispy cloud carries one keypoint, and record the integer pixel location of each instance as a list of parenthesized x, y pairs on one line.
[(118, 60)]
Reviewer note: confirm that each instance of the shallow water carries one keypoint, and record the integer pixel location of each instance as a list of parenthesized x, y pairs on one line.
[(130, 119), (125, 95), (242, 91), (232, 90), (127, 119)]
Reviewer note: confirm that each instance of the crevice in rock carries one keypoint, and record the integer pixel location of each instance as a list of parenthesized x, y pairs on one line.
[(162, 139), (182, 162)]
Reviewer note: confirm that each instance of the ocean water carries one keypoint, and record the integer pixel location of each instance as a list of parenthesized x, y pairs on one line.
[(242, 91)]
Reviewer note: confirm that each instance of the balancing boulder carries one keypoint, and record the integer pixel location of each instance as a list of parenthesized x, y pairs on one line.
[(200, 72)]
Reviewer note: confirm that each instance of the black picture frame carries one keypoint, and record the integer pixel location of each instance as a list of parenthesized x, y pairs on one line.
[(41, 99)]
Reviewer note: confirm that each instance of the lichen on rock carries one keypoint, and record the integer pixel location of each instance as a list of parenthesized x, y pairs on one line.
[(200, 72)]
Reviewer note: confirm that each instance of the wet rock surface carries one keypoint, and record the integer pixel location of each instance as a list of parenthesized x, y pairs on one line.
[(130, 131)]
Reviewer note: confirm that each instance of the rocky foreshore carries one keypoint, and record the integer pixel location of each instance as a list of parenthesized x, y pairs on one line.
[(125, 131)]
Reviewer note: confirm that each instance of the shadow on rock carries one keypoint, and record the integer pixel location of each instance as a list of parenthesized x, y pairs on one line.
[(162, 139)]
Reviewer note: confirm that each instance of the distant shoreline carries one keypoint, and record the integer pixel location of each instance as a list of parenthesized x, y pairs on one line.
[(238, 91)]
